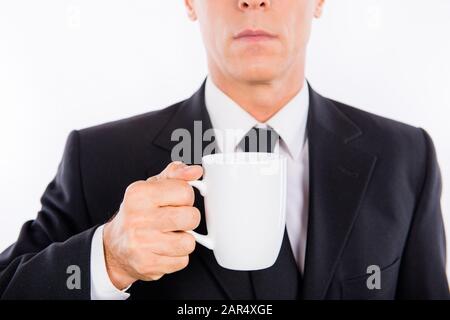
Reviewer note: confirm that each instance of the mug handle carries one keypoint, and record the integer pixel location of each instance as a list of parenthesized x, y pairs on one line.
[(204, 240)]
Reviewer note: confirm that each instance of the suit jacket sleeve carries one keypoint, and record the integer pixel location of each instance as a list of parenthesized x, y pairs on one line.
[(36, 266), (422, 271)]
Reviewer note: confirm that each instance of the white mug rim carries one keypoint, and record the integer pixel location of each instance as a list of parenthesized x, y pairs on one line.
[(243, 157)]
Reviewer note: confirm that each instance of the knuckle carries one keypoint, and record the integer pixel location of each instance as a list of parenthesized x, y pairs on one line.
[(188, 242), (172, 166), (178, 264), (184, 262), (135, 187), (187, 194), (136, 195), (196, 216), (155, 277), (152, 187)]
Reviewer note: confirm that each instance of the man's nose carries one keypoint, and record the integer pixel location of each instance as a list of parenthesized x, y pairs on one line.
[(254, 4)]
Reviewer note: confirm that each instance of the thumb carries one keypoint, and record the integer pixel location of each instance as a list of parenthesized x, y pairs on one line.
[(181, 171)]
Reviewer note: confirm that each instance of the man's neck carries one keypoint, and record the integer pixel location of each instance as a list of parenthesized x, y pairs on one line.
[(262, 100)]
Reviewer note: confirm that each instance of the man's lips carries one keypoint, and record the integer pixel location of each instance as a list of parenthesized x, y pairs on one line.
[(254, 35)]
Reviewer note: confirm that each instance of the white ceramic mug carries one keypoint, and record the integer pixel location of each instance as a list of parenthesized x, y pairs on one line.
[(245, 208)]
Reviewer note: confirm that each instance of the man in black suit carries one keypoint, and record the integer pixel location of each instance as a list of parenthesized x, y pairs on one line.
[(373, 190)]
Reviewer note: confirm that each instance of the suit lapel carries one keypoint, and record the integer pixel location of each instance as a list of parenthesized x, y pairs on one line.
[(339, 175), (189, 124), (193, 117)]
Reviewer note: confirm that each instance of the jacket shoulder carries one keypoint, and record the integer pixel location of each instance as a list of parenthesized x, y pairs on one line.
[(146, 123), (128, 131), (401, 149), (375, 120), (385, 133)]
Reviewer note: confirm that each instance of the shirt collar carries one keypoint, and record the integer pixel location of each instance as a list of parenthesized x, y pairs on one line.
[(231, 122)]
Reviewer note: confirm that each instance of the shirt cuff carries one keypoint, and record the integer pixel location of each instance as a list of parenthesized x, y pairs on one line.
[(101, 286)]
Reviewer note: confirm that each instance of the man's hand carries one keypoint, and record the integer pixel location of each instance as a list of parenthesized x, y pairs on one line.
[(148, 238)]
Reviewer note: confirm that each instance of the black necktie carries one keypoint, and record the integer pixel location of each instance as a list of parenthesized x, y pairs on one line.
[(283, 280), (259, 140)]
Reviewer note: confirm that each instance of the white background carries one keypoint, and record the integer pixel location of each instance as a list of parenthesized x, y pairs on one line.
[(69, 64)]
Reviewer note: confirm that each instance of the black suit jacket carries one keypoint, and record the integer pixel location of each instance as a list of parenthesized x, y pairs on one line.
[(375, 193)]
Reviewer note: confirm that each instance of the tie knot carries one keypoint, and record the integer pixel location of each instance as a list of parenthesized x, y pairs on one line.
[(259, 140)]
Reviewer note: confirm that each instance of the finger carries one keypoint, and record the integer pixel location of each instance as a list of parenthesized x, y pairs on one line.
[(186, 173), (181, 218), (179, 170), (171, 192), (168, 170), (172, 244), (168, 264)]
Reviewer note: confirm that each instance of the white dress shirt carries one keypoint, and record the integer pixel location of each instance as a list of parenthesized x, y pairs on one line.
[(231, 123)]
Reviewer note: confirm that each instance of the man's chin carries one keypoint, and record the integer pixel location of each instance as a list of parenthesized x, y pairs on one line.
[(256, 74)]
